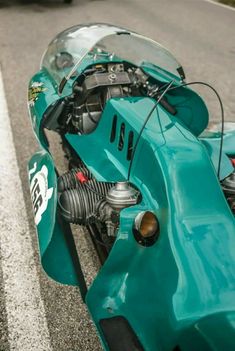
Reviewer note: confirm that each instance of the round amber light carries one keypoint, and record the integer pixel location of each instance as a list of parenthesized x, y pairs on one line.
[(146, 224)]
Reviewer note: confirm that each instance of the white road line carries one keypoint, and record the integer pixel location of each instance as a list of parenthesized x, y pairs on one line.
[(221, 5), (27, 326)]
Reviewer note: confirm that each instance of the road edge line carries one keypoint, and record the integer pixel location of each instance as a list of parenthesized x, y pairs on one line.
[(26, 318)]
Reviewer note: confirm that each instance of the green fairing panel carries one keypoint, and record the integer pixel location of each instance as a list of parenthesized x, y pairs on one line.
[(103, 157), (216, 330), (111, 163), (41, 95), (180, 275), (54, 250)]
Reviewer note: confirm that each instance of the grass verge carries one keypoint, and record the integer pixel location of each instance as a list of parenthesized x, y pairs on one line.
[(228, 2)]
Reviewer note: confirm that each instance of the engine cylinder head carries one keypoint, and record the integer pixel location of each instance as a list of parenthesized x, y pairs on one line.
[(69, 180), (78, 205)]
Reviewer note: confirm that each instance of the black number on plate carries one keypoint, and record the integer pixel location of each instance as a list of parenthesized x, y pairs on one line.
[(36, 196)]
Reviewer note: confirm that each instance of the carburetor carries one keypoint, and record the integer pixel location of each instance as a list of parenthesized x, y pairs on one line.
[(120, 196)]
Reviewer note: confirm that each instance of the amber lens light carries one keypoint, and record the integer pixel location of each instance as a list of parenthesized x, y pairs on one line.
[(146, 224)]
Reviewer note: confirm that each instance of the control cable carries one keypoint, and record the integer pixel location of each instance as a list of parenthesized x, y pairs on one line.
[(170, 88)]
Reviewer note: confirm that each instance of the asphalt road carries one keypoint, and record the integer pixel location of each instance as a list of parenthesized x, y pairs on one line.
[(199, 33)]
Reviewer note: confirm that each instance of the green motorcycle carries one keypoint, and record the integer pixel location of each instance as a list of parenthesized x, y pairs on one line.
[(154, 188)]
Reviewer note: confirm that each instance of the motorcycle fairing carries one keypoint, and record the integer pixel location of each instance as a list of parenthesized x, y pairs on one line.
[(187, 275), (105, 159), (180, 275)]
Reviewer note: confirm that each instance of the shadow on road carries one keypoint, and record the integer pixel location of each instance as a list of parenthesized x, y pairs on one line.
[(42, 5)]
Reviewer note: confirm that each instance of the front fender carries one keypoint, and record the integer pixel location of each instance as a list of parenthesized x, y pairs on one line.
[(57, 250)]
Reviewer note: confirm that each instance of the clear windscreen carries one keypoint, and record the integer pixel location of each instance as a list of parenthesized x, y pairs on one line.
[(79, 47)]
